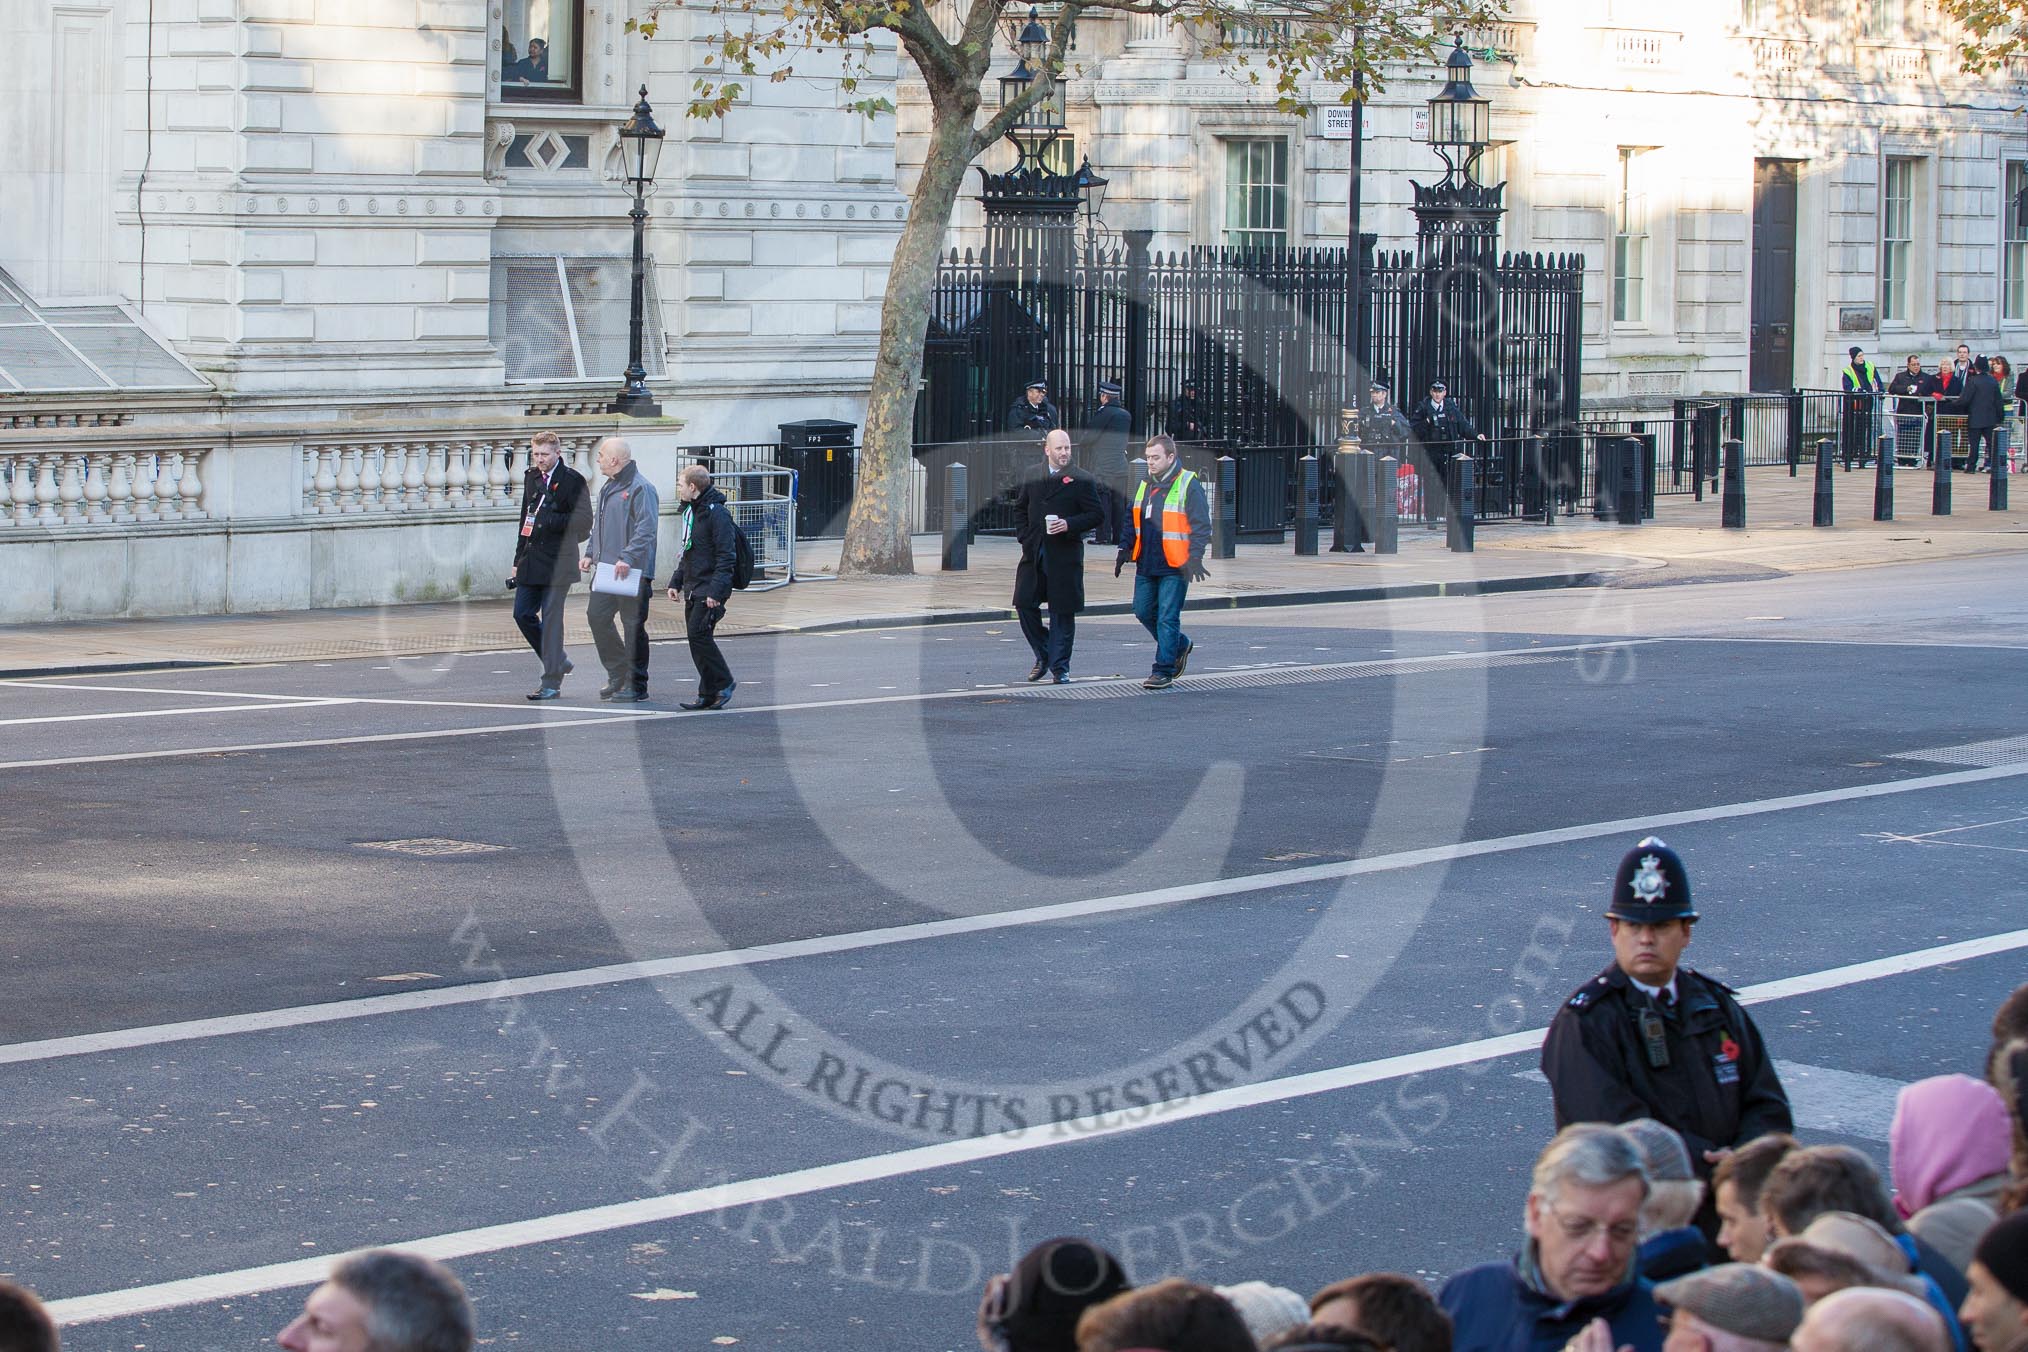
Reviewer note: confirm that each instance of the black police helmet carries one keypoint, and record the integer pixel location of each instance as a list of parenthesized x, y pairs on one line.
[(1651, 886)]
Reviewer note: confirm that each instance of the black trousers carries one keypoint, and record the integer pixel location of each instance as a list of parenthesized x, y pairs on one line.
[(713, 675), (538, 614), (1052, 642), (1976, 436), (619, 626), (1116, 497)]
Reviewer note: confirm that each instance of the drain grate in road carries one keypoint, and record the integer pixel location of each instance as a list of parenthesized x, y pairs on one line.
[(431, 847), (1336, 671), (1985, 755)]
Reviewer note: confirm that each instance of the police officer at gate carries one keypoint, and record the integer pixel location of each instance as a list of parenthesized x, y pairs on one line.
[(1648, 1037)]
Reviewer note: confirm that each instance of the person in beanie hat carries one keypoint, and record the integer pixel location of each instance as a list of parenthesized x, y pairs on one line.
[(1996, 1311), (1734, 1307), (1035, 1307), (1268, 1311), (1649, 1037)]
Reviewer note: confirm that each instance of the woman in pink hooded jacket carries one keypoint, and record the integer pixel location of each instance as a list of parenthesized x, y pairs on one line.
[(1948, 1151)]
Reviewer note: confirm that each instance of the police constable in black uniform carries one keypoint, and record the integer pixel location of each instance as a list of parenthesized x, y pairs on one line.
[(1382, 428), (1033, 412), (1106, 454), (1650, 1038)]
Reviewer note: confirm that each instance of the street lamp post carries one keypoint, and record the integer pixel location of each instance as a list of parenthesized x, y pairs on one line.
[(641, 148), (1457, 228)]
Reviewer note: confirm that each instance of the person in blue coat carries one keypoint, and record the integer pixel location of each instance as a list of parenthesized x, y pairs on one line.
[(1577, 1276)]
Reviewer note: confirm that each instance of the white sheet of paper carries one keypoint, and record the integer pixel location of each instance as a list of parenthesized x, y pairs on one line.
[(603, 580)]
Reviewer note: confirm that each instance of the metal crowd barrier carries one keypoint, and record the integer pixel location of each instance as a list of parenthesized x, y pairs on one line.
[(762, 499)]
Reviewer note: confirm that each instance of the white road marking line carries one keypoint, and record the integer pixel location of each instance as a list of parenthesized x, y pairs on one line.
[(152, 690), (231, 1025), (1824, 1099), (308, 700), (171, 713), (943, 1155), (602, 717)]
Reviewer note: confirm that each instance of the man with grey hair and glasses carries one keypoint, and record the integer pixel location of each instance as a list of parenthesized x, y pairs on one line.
[(380, 1300), (1575, 1282)]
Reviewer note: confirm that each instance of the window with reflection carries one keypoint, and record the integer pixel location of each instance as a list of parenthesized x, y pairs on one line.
[(541, 51)]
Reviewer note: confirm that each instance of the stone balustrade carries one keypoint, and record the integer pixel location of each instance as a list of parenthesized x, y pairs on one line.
[(382, 475), (55, 487), (222, 516)]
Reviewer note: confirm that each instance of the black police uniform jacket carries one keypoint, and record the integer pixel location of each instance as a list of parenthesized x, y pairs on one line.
[(1382, 429), (1434, 426), (1718, 1090), (1051, 572), (547, 556), (1107, 442), (1027, 417)]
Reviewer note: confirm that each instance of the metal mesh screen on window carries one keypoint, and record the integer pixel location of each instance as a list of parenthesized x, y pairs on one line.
[(540, 304)]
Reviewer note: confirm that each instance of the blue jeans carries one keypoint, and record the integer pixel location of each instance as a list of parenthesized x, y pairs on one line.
[(1158, 605)]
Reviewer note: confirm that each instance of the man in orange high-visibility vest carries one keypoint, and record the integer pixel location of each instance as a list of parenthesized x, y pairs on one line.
[(1165, 538)]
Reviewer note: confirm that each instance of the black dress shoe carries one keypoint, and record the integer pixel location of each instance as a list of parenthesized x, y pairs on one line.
[(1060, 678), (1038, 671), (547, 692), (725, 695), (698, 705)]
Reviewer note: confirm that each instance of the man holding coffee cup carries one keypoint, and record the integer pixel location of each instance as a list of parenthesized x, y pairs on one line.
[(1052, 513)]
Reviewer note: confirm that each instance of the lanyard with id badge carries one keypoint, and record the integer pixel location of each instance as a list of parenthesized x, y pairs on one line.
[(528, 522)]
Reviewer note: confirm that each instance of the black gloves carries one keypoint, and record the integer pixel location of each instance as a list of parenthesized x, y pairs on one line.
[(1197, 571), (1118, 564)]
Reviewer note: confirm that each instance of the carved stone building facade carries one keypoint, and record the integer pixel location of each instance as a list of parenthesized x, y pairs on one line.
[(280, 277), (1757, 185)]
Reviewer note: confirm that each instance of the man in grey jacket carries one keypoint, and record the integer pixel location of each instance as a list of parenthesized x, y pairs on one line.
[(623, 535)]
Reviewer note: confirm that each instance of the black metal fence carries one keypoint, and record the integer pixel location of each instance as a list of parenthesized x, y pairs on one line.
[(1259, 332)]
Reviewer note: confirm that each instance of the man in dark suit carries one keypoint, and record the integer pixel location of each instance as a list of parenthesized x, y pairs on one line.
[(1051, 515), (1984, 405), (1106, 453), (555, 518)]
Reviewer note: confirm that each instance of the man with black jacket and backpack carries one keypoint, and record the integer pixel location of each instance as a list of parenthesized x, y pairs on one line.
[(707, 545)]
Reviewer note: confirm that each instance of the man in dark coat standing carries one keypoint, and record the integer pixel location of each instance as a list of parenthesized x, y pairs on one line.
[(1648, 1037), (1441, 429), (1984, 406), (1051, 514), (555, 518), (1106, 453), (1187, 420), (1033, 412), (707, 550)]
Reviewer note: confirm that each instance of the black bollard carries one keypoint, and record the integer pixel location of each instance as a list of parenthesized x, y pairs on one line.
[(1883, 480), (957, 520), (1820, 498), (1386, 506), (1629, 485), (1732, 506), (1996, 486), (1464, 505), (1940, 489), (1225, 521), (1357, 481), (1345, 512), (1306, 505)]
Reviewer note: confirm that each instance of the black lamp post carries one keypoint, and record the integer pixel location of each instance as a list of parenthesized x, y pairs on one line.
[(641, 146), (1093, 189), (1460, 119), (1043, 122)]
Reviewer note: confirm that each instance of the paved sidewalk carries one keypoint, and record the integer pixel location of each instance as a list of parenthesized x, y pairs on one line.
[(1684, 544)]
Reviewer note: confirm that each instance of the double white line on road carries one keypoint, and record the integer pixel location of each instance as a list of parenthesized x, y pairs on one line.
[(874, 1168)]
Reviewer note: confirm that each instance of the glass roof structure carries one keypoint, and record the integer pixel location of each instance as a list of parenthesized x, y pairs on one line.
[(50, 349)]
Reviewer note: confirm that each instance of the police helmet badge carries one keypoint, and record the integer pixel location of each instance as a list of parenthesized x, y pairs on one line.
[(1649, 884)]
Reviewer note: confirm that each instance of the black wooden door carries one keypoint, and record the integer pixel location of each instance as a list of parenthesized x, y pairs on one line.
[(1774, 275)]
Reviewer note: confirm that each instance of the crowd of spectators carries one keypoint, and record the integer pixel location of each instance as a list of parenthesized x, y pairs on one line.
[(1811, 1249)]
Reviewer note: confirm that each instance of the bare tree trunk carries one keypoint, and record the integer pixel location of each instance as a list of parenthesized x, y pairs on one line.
[(876, 534)]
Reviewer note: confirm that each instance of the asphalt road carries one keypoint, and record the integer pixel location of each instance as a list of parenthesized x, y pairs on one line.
[(785, 1026)]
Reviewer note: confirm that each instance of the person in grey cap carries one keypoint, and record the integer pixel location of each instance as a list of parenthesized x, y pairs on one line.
[(1734, 1307), (1670, 1244), (1648, 1037)]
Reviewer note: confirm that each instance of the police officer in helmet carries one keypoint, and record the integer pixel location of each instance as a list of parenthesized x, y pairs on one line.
[(1648, 1037)]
